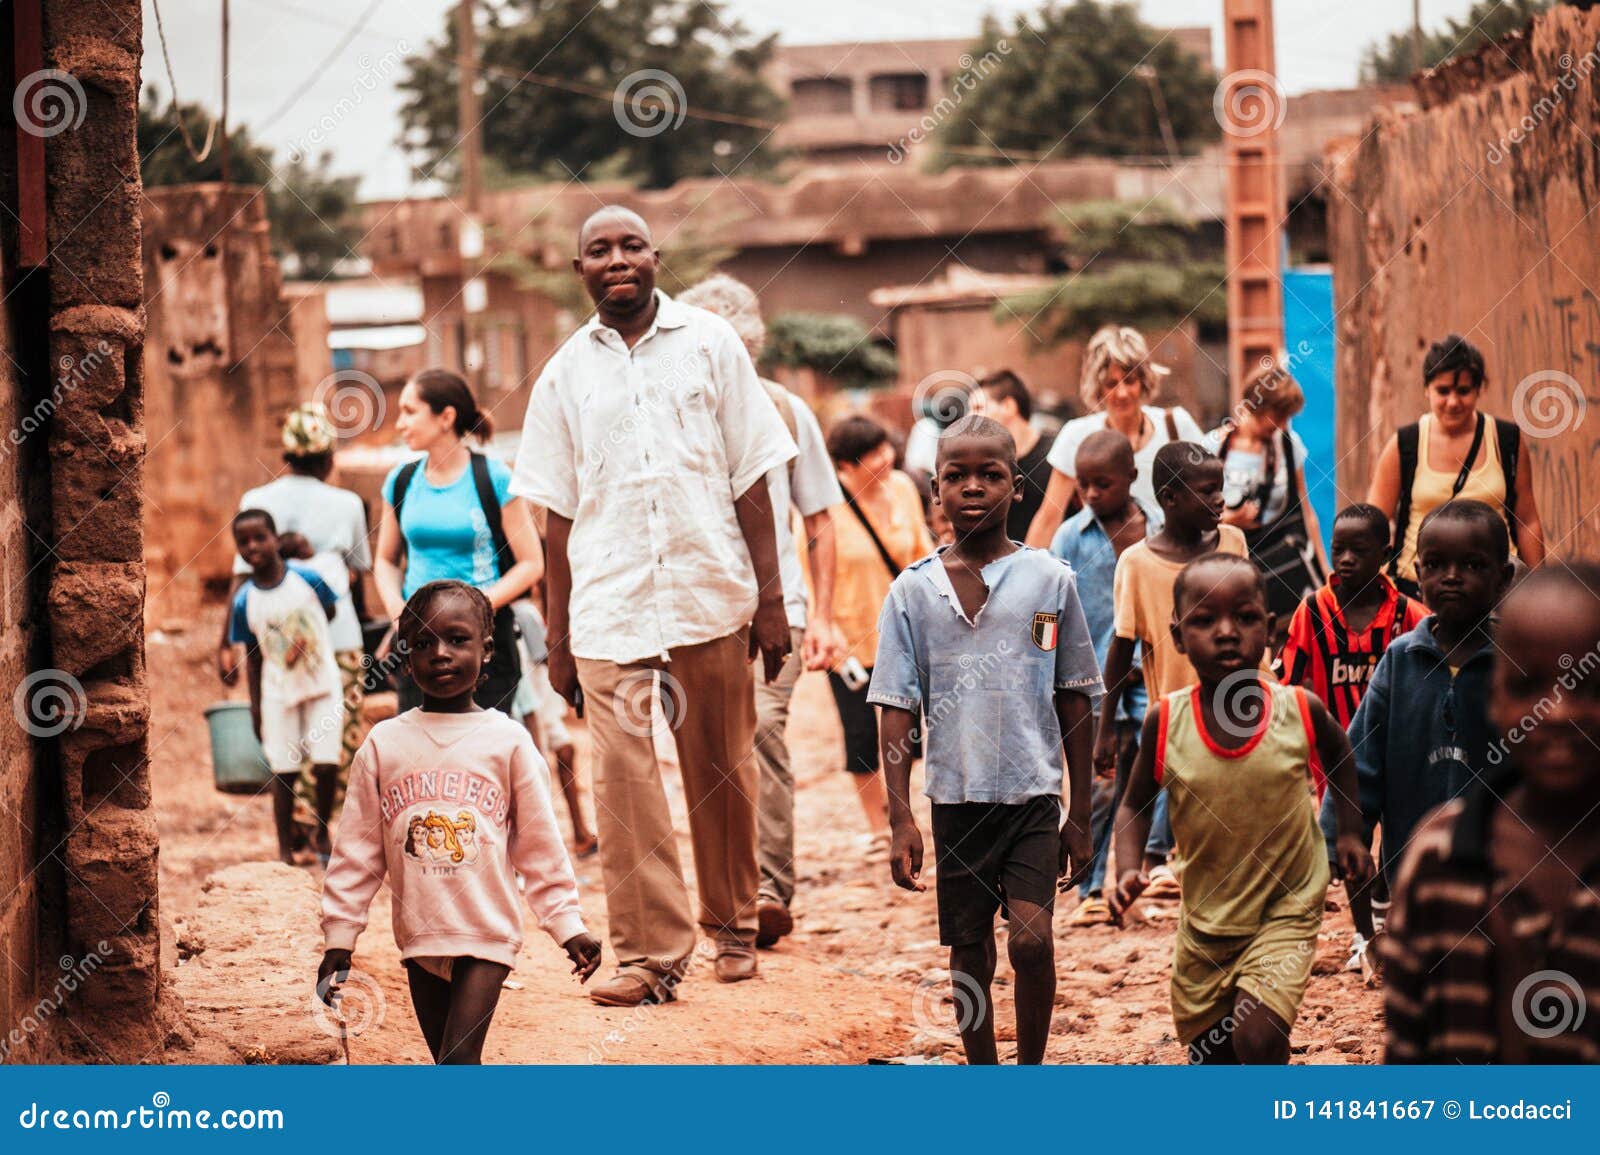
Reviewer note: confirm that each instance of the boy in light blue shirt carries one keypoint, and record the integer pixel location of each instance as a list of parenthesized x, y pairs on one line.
[(987, 640)]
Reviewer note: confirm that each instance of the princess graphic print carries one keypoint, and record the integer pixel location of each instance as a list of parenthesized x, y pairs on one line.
[(450, 808)]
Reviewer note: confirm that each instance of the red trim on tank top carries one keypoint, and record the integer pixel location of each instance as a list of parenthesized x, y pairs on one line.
[(1254, 740), (1319, 776), (1163, 712)]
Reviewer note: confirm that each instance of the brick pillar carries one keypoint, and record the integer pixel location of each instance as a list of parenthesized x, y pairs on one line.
[(96, 584)]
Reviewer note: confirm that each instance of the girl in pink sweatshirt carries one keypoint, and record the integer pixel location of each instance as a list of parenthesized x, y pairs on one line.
[(447, 801)]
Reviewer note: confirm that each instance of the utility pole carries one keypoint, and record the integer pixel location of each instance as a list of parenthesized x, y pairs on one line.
[(474, 291), (1416, 36), (222, 127)]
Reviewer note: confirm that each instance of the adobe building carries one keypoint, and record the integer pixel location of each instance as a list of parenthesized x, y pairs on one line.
[(864, 102), (1488, 187), (227, 354), (847, 224), (80, 973)]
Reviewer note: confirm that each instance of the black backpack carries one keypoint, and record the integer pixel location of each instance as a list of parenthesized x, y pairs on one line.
[(504, 559)]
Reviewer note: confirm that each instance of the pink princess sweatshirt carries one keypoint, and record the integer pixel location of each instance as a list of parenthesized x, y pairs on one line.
[(446, 806)]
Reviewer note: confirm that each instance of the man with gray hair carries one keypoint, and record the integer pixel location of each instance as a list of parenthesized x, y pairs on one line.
[(810, 485), (648, 441)]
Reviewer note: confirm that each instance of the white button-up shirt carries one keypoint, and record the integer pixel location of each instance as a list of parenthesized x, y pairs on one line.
[(644, 451)]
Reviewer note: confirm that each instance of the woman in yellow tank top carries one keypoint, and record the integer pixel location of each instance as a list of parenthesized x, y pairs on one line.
[(1241, 758), (1439, 445)]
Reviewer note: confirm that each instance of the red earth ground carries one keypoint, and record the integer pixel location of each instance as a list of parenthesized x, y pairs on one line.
[(862, 977)]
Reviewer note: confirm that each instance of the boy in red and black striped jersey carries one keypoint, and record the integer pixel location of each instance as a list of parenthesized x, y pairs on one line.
[(1338, 634), (1336, 638)]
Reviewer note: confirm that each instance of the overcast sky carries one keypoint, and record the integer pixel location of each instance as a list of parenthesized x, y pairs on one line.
[(277, 44)]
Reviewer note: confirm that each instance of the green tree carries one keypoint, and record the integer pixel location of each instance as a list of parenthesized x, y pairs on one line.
[(1128, 263), (659, 57), (1075, 80), (834, 344), (312, 211), (691, 254), (1389, 61)]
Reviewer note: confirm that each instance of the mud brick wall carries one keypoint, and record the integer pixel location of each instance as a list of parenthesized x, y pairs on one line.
[(1476, 213), (88, 585), (20, 885), (221, 372)]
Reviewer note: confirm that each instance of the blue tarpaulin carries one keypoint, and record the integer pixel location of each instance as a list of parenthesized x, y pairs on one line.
[(1308, 334)]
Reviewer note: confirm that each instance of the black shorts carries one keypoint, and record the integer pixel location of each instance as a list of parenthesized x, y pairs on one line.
[(987, 853)]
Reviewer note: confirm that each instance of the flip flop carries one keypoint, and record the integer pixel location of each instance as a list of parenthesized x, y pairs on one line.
[(1092, 911), (1163, 885)]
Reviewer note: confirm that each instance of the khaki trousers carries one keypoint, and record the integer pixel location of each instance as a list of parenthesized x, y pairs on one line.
[(707, 698), (775, 817)]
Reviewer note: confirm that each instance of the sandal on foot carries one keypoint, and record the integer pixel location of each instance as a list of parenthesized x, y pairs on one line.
[(1092, 911), (1163, 885)]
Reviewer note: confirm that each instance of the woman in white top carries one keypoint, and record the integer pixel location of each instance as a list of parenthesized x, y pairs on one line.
[(1119, 379)]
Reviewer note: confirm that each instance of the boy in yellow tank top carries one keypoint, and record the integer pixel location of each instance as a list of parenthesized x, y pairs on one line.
[(1242, 759)]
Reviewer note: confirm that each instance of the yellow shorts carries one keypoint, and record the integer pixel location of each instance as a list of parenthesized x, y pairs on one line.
[(1273, 965)]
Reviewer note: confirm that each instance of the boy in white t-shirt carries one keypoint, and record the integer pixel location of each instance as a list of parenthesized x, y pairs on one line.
[(281, 614)]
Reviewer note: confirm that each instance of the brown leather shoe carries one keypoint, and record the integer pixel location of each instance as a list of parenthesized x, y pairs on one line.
[(629, 989), (774, 922), (735, 962)]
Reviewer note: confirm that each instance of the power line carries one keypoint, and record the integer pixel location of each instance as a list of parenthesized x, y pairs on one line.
[(315, 74), (177, 107)]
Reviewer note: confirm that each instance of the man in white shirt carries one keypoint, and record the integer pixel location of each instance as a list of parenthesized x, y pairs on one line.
[(647, 441), (808, 485)]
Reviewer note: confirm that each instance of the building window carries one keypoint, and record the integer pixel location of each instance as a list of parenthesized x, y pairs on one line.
[(898, 91), (820, 96)]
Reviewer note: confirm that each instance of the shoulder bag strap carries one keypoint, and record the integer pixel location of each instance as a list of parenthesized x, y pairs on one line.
[(1406, 440), (861, 516), (1472, 455), (402, 483), (1172, 426), (490, 501), (1508, 439)]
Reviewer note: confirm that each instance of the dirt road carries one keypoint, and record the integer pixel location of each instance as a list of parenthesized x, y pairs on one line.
[(862, 977)]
